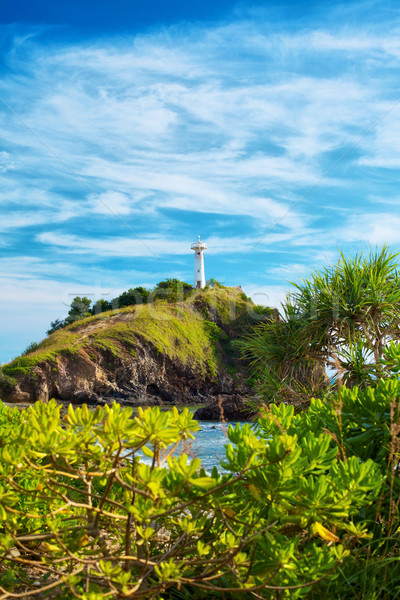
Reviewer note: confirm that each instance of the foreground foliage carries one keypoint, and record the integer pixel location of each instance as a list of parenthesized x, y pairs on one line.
[(96, 505), (346, 317), (364, 425)]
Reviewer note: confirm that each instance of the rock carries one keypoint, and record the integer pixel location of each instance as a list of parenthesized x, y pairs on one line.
[(85, 397), (94, 377), (155, 354), (225, 408)]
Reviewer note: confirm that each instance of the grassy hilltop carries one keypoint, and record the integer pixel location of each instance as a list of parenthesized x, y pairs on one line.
[(196, 335)]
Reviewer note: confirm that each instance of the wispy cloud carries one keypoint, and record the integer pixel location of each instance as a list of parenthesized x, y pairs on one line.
[(267, 295), (147, 247), (261, 135), (155, 117), (110, 201), (122, 246), (374, 228)]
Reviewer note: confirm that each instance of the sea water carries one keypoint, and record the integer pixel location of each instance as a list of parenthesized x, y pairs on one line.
[(209, 444)]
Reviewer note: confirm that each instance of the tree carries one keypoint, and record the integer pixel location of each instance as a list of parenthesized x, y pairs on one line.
[(172, 290), (138, 295), (31, 348), (101, 306), (281, 359), (351, 311), (342, 317), (80, 308), (56, 325), (215, 284)]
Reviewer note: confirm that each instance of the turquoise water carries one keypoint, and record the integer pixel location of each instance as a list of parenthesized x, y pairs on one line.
[(209, 443)]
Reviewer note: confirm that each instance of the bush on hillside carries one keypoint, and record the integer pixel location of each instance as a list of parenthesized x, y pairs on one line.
[(31, 348), (172, 290)]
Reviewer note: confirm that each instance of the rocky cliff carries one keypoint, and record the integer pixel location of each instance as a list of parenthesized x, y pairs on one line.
[(158, 353)]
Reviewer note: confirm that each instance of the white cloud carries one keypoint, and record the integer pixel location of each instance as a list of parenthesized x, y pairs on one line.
[(153, 114), (267, 295), (6, 163), (17, 220), (129, 247), (191, 129), (376, 229), (385, 150), (119, 246), (111, 202), (157, 246), (381, 47), (289, 270)]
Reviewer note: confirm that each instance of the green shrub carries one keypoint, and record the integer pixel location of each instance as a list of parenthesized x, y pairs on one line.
[(6, 381), (363, 425), (96, 505), (213, 331), (31, 348), (20, 366)]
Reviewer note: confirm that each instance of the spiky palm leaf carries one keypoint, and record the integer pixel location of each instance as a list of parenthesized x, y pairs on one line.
[(344, 315)]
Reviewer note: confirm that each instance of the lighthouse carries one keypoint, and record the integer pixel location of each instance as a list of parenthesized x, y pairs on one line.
[(199, 277)]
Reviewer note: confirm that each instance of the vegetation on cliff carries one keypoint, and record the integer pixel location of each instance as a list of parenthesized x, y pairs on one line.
[(171, 290), (196, 334)]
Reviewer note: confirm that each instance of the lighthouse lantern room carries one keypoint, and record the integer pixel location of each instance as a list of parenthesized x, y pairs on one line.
[(199, 277)]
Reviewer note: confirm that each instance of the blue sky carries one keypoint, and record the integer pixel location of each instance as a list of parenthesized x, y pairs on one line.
[(129, 128)]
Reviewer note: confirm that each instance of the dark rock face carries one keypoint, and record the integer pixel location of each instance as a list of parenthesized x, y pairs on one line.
[(225, 408), (95, 377)]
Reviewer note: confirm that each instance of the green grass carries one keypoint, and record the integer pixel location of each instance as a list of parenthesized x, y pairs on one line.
[(228, 303), (234, 310), (24, 364), (174, 330), (183, 332)]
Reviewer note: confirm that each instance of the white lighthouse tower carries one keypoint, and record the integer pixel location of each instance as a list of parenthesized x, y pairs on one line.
[(199, 277)]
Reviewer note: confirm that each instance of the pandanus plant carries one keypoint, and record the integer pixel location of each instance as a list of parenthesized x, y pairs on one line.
[(341, 317)]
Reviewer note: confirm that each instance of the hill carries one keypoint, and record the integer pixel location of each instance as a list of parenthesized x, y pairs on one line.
[(156, 353)]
